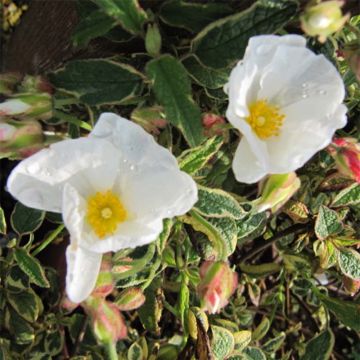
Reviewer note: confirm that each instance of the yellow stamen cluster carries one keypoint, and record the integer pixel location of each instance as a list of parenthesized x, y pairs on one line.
[(104, 213), (265, 119)]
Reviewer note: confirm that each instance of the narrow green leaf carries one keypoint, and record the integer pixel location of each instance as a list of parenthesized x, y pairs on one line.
[(192, 16), (31, 267), (26, 220), (327, 223), (2, 222), (172, 88), (218, 203), (348, 312), (242, 339), (135, 352), (348, 196), (320, 347), (349, 262), (163, 237), (195, 159), (261, 269), (253, 353), (25, 304), (224, 41), (183, 303), (98, 81), (19, 328), (94, 25), (127, 12), (272, 345), (222, 343), (261, 329)]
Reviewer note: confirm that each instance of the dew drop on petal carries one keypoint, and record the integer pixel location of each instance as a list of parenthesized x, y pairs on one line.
[(33, 168), (304, 95), (322, 92), (132, 167), (304, 85)]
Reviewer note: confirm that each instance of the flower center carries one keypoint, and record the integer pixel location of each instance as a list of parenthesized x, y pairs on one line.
[(265, 119), (104, 213)]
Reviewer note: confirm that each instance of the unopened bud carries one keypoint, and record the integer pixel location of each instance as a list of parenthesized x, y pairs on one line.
[(150, 118), (351, 286), (153, 40), (218, 282), (323, 19), (346, 153), (35, 84), (130, 299), (213, 124), (276, 190)]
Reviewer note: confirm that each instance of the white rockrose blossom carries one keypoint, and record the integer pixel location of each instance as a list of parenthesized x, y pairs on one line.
[(287, 103), (113, 188)]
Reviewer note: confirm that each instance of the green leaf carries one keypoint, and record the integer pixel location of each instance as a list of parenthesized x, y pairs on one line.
[(192, 16), (320, 347), (31, 267), (164, 236), (203, 75), (98, 81), (253, 353), (54, 342), (193, 160), (272, 345), (172, 88), (220, 232), (348, 312), (348, 196), (261, 269), (25, 303), (2, 222), (252, 226), (349, 262), (261, 329), (95, 25), (224, 41), (222, 343), (127, 12), (183, 302), (327, 223), (26, 220), (135, 352), (19, 328), (242, 339), (218, 203)]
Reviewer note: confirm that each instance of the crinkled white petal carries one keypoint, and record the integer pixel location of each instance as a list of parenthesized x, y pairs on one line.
[(83, 268), (154, 191), (246, 166), (132, 141), (13, 107), (38, 180)]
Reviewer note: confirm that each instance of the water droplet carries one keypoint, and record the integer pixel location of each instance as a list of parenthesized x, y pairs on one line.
[(322, 92), (132, 167), (46, 172), (263, 49), (33, 168), (125, 161), (304, 95), (304, 85)]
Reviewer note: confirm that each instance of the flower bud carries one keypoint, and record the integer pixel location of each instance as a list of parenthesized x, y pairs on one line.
[(213, 124), (351, 286), (8, 83), (130, 299), (106, 320), (20, 139), (104, 283), (218, 282), (149, 118), (27, 106), (153, 40), (346, 153), (276, 190), (35, 84), (323, 19)]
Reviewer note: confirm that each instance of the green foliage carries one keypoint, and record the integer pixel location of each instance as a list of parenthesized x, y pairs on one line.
[(320, 347), (25, 220)]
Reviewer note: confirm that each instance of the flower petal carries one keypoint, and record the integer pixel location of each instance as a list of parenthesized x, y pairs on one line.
[(38, 180), (83, 267), (13, 107), (131, 140), (246, 166)]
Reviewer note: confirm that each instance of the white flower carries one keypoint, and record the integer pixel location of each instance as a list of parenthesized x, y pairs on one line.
[(13, 107), (287, 103), (113, 188)]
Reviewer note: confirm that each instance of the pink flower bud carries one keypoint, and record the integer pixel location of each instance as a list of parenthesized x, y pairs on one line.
[(351, 286), (213, 124), (218, 282), (346, 153), (130, 299), (276, 190), (106, 320), (150, 118), (105, 282)]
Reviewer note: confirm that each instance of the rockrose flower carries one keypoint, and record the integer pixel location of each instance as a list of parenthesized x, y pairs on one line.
[(113, 188), (287, 103)]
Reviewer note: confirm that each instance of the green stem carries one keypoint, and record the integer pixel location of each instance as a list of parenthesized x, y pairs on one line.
[(49, 239), (72, 120), (111, 350)]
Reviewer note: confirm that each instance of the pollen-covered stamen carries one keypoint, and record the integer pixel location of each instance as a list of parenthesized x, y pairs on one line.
[(104, 213), (265, 119)]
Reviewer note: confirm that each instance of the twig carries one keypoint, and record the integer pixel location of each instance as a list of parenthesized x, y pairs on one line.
[(48, 240)]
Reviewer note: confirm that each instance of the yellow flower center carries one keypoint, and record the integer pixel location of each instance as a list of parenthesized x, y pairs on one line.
[(104, 213), (265, 119)]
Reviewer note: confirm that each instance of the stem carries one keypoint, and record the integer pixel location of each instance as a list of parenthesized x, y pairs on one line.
[(111, 350), (297, 228), (49, 239), (72, 120)]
